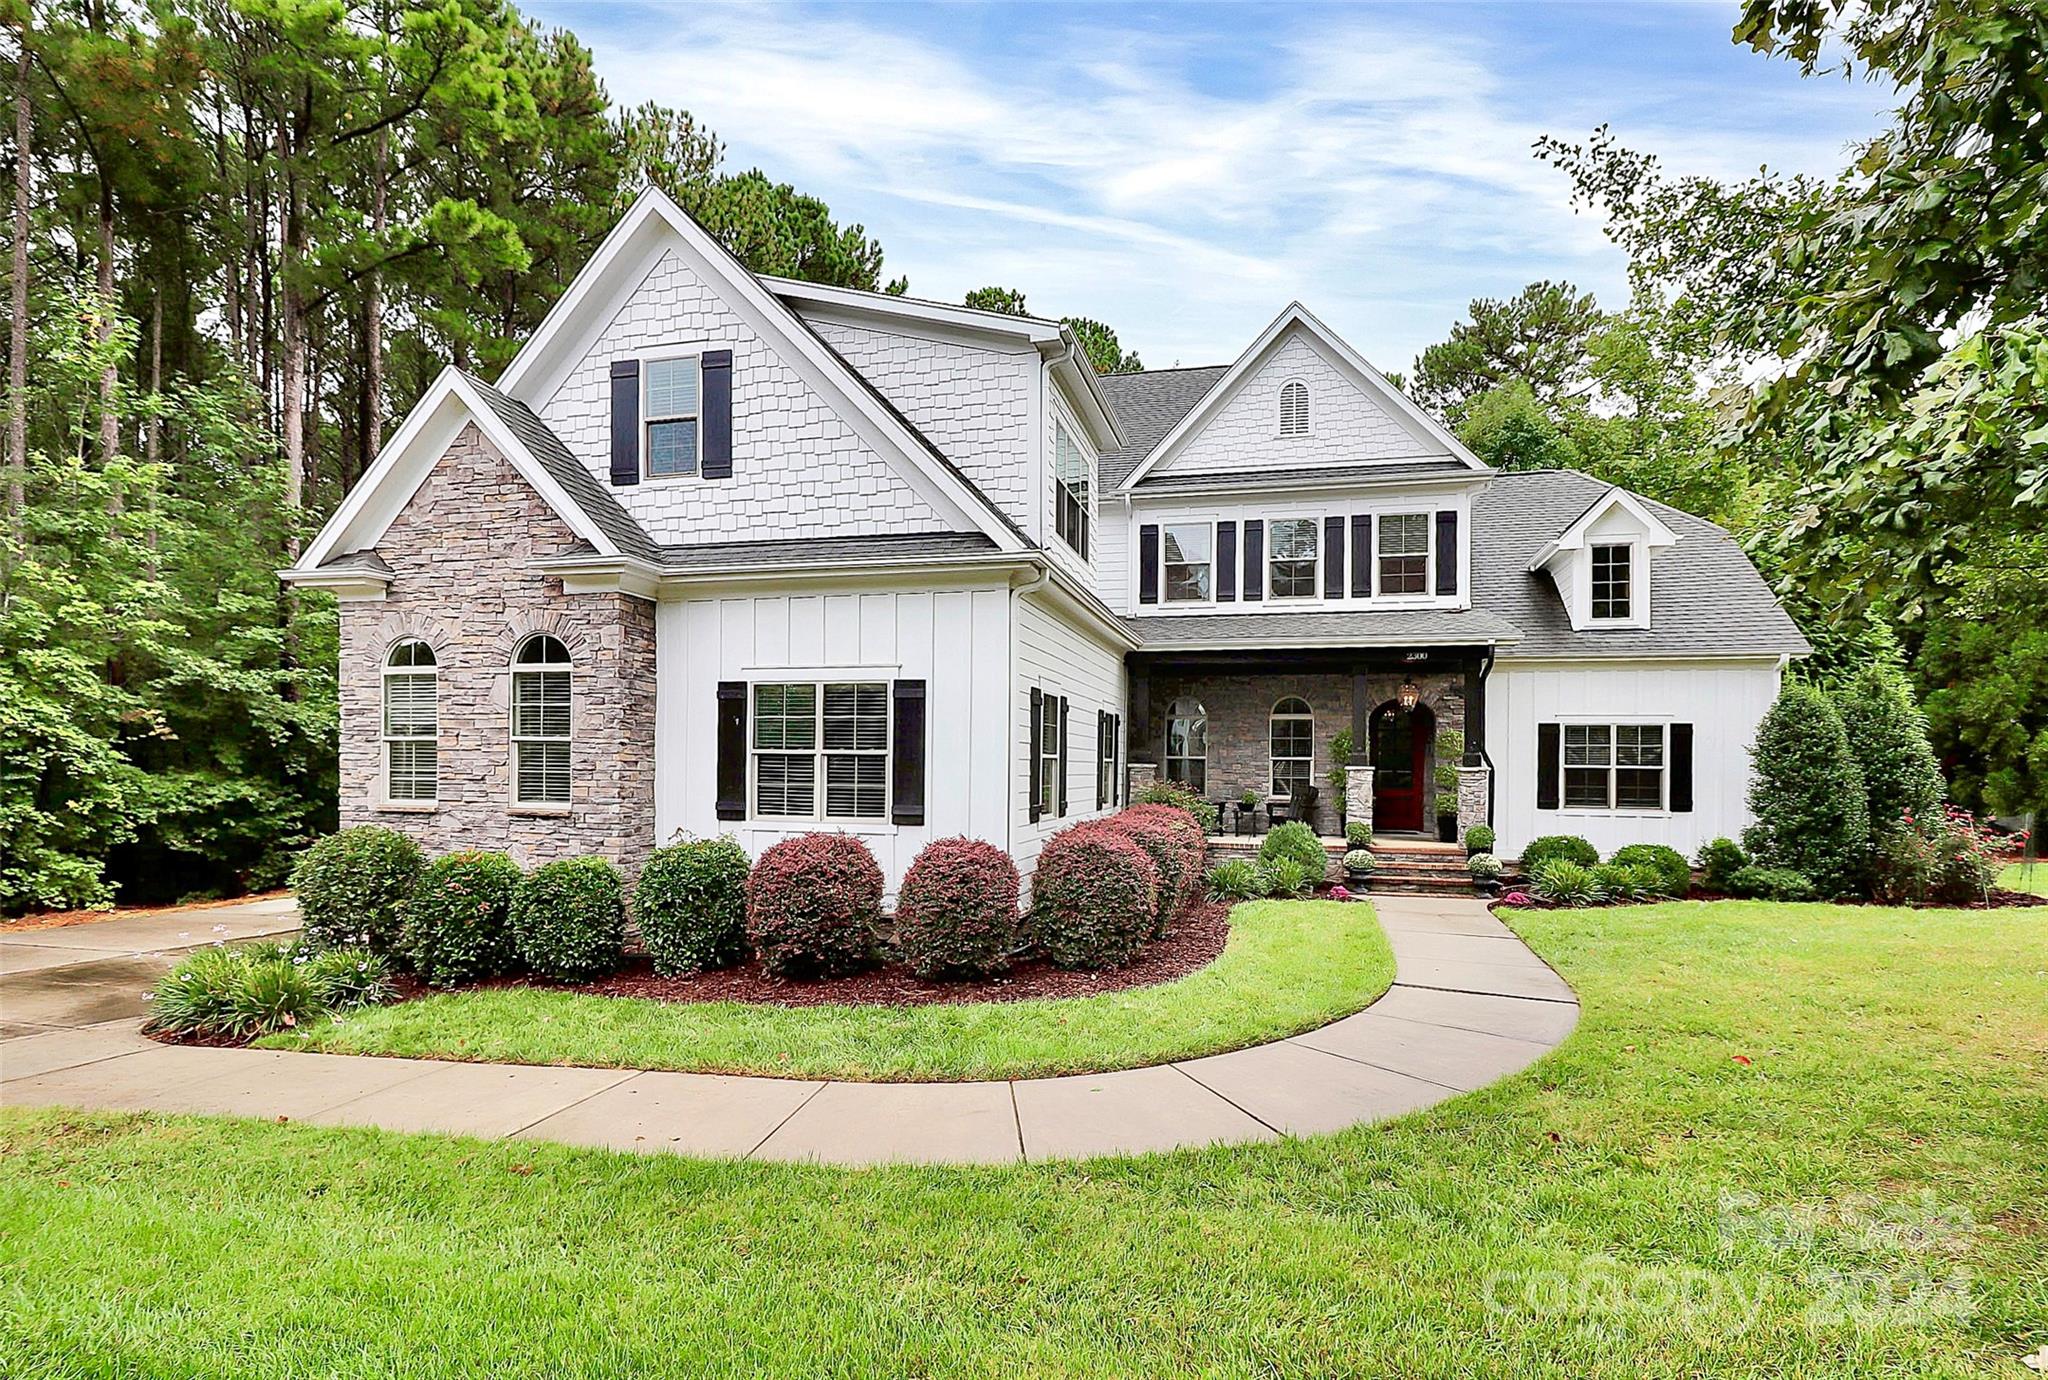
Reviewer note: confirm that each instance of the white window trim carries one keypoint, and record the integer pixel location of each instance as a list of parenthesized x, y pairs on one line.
[(515, 737), (1308, 411), (385, 798), (862, 824), (1315, 524), (1379, 553), (1215, 575), (1663, 807), (1059, 485), (1274, 716), (665, 354), (1638, 584)]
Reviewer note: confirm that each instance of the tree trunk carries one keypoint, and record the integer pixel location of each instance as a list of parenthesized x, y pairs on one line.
[(17, 320), (371, 426), (110, 376), (151, 426), (292, 384)]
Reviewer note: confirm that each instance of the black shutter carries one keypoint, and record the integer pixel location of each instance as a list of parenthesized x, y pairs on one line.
[(1447, 552), (1037, 705), (1226, 562), (906, 770), (1254, 561), (1148, 563), (1116, 760), (1101, 753), (1361, 556), (1681, 769), (716, 368), (732, 749), (1066, 756), (1333, 558), (625, 421), (1548, 737)]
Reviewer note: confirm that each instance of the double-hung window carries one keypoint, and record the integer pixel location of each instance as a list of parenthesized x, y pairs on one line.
[(670, 413), (1050, 751), (412, 724), (1613, 767), (1293, 560), (1072, 475), (540, 722), (1293, 736), (1404, 553), (1187, 552), (835, 733), (1613, 569), (1187, 744)]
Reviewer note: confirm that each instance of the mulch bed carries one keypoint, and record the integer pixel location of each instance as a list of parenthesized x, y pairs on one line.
[(1191, 945)]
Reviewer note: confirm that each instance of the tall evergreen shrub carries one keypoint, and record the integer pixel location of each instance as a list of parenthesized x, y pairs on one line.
[(1888, 737), (1807, 794)]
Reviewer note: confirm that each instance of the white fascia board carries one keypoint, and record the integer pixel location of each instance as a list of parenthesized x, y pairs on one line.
[(653, 223), (1075, 374), (913, 310), (1283, 643), (995, 567), (1363, 374), (350, 586), (1304, 481), (1077, 599)]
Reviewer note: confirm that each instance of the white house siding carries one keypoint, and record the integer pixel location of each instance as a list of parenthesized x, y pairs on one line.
[(798, 469), (1115, 583), (975, 403), (955, 639), (1723, 701), (1345, 425), (1059, 657)]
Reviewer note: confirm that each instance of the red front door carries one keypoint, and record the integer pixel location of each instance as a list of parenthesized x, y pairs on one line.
[(1400, 782)]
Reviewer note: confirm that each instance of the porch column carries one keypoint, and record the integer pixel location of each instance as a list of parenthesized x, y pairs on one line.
[(1358, 771), (1142, 751), (1475, 778)]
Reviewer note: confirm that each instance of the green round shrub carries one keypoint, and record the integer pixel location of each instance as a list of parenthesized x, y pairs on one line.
[(350, 886), (569, 919), (1770, 884), (456, 926), (1295, 842), (956, 913), (1719, 861), (1807, 794), (1887, 735), (691, 905), (1569, 847), (1672, 876), (1237, 879), (1479, 839), (1563, 882), (1180, 798), (813, 903), (1358, 834)]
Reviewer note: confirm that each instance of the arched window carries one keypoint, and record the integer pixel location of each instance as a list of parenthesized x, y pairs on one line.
[(1187, 744), (412, 723), (1293, 736), (540, 722), (1294, 408)]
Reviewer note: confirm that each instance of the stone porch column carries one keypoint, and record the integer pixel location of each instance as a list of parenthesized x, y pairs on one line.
[(1358, 789), (1475, 792), (1139, 775)]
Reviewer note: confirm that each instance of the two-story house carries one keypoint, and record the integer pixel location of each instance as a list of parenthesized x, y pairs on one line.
[(722, 553)]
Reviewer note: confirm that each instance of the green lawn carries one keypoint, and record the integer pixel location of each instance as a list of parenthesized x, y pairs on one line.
[(1863, 1198), (2030, 877), (1288, 967)]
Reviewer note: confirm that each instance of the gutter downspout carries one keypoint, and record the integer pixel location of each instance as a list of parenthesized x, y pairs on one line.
[(1485, 751)]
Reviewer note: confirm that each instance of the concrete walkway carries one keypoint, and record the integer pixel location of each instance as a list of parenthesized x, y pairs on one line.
[(1470, 1004)]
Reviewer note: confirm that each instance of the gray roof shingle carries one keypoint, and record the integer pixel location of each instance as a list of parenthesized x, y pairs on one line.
[(1390, 628), (1149, 405), (584, 491)]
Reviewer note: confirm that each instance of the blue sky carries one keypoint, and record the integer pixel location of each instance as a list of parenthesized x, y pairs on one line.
[(1183, 171)]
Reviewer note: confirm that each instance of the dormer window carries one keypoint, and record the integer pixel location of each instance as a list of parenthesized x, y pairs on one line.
[(1294, 408), (670, 414), (1613, 581)]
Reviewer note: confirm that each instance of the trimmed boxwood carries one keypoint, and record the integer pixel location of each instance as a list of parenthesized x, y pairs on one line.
[(813, 903), (456, 925), (1295, 842), (956, 913), (1719, 861), (351, 884), (569, 919), (1093, 897), (1770, 884), (1674, 876), (1569, 847), (691, 905)]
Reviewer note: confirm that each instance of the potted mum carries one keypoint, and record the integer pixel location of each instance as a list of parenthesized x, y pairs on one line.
[(1485, 870), (1358, 866)]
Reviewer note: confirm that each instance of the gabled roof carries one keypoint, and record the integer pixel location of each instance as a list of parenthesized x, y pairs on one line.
[(1149, 405), (1369, 380), (654, 224), (1573, 538)]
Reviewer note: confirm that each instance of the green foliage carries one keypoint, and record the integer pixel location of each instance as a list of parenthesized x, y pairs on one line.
[(1563, 882), (1446, 803), (1719, 861), (1541, 337), (691, 905), (352, 886), (1104, 352), (1296, 843), (1479, 839), (1450, 751), (1567, 846), (1986, 679), (241, 993), (1807, 794), (1358, 834), (1770, 884), (1673, 877), (1007, 301), (569, 919), (1238, 879), (1614, 881), (1283, 878), (344, 979), (1181, 798), (456, 925), (1508, 429), (1888, 738)]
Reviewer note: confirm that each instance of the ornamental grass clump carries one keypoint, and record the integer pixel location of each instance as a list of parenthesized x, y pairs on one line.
[(1236, 879), (257, 989), (956, 913), (1093, 897), (456, 927), (569, 920), (351, 885), (1563, 882), (1285, 878), (813, 905), (691, 905)]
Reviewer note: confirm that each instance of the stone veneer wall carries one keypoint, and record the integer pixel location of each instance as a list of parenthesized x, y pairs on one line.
[(460, 554), (1240, 709)]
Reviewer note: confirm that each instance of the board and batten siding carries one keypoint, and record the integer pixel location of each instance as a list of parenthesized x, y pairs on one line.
[(1724, 701), (1059, 658), (956, 640)]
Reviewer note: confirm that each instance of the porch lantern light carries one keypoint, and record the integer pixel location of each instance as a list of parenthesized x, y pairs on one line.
[(1407, 695)]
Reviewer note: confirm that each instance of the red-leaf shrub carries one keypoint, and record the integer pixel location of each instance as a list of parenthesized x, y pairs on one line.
[(1093, 897), (956, 915), (812, 906), (1177, 848)]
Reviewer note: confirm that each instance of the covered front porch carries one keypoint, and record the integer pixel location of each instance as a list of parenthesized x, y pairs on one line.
[(1328, 735)]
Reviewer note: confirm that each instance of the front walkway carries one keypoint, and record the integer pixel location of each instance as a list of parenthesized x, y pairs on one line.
[(1470, 1004)]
